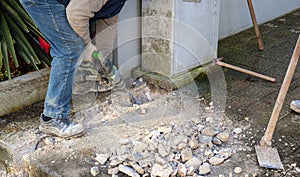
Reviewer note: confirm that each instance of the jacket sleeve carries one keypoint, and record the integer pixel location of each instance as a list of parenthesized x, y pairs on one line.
[(79, 13)]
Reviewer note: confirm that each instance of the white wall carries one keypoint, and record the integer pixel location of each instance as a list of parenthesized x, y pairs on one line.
[(195, 33), (235, 16), (128, 37)]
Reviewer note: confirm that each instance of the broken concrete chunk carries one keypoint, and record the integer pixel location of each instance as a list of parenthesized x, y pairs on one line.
[(224, 137), (136, 167), (102, 158), (208, 131), (182, 170), (95, 171), (162, 171), (139, 146), (195, 162), (193, 143), (237, 131), (225, 153), (163, 150), (237, 170), (204, 169), (216, 160), (124, 141), (113, 171), (181, 146), (186, 154), (161, 161), (128, 171), (115, 161), (217, 141)]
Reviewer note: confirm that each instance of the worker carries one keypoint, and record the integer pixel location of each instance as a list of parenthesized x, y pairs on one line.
[(65, 48)]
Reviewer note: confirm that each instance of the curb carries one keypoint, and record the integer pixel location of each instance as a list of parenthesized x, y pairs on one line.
[(23, 91)]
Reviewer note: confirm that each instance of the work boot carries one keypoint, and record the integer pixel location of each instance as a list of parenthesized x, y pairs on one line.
[(60, 127), (295, 106)]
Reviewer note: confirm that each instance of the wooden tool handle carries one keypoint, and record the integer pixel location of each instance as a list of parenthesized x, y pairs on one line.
[(245, 71), (266, 139), (257, 33)]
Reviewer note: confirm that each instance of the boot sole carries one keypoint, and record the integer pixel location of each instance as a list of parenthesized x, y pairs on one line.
[(45, 131)]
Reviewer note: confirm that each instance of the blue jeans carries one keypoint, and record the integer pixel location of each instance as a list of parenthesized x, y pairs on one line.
[(66, 47)]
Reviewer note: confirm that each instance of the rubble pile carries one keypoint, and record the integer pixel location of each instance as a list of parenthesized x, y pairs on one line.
[(188, 148)]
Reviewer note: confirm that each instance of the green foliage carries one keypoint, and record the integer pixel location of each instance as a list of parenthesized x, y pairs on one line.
[(18, 38)]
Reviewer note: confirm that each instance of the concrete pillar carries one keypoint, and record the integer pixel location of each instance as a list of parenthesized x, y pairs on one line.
[(178, 35)]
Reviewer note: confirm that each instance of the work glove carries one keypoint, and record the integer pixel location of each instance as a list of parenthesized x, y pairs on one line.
[(86, 58)]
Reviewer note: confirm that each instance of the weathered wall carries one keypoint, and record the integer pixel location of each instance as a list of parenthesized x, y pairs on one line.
[(158, 34), (178, 35)]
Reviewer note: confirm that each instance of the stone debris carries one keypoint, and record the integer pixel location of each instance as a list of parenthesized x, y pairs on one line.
[(95, 171), (237, 170), (190, 149), (186, 154), (3, 173), (182, 170), (237, 131), (162, 171), (193, 164), (102, 158), (137, 167), (128, 171), (216, 160), (224, 137), (204, 169)]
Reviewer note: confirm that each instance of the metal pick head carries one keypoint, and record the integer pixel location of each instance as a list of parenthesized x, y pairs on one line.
[(268, 157)]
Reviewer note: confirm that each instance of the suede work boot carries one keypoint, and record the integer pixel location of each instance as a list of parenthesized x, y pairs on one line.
[(60, 127), (295, 106)]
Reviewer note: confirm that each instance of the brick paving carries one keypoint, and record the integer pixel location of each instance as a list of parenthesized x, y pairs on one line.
[(252, 97)]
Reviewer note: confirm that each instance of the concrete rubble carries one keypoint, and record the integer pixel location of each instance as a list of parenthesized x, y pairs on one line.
[(189, 148)]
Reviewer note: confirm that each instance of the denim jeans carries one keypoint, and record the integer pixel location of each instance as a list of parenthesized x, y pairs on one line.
[(66, 47)]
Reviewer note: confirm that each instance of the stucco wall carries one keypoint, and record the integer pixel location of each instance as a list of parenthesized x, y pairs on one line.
[(129, 36), (235, 17)]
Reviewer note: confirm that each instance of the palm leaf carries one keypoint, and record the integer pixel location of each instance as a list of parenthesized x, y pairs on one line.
[(8, 39), (1, 58), (20, 35), (18, 38), (5, 57), (23, 47), (5, 7)]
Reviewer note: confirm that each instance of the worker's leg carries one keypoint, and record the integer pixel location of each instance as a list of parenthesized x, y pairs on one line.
[(66, 47)]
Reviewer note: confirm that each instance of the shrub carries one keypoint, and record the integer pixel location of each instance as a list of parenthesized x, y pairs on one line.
[(19, 39)]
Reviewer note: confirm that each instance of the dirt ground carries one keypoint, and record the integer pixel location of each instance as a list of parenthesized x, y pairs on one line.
[(120, 120)]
